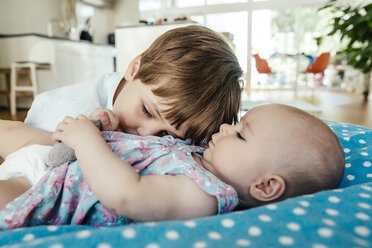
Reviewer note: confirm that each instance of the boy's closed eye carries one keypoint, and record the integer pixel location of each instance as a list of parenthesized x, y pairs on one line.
[(146, 112)]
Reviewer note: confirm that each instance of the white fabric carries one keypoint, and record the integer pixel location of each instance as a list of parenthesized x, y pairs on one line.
[(50, 107), (27, 162)]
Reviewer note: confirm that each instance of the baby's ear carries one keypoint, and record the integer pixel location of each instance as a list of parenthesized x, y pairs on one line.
[(268, 189)]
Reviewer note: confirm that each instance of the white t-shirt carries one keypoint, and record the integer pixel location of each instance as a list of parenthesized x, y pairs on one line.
[(50, 107)]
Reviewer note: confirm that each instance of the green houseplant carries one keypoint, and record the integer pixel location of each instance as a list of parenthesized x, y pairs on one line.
[(354, 24)]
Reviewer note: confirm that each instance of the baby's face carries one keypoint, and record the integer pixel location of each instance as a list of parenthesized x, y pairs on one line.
[(140, 111), (241, 154)]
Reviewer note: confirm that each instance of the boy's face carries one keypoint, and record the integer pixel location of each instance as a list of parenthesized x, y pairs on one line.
[(240, 155), (140, 111)]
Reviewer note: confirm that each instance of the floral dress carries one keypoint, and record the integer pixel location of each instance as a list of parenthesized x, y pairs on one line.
[(63, 196)]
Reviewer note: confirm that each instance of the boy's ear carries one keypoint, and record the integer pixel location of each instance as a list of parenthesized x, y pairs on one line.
[(270, 188), (133, 68)]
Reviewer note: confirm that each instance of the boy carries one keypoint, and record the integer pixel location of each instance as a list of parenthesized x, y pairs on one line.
[(274, 153), (185, 84)]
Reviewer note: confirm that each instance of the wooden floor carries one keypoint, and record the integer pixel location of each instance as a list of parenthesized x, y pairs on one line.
[(337, 106)]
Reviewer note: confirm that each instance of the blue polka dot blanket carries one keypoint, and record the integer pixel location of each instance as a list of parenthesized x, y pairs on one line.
[(332, 218)]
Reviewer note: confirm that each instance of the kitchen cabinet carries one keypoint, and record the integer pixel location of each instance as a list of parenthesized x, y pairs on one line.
[(131, 41), (72, 61)]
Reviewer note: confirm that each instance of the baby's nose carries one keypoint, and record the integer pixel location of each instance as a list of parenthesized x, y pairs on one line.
[(226, 129)]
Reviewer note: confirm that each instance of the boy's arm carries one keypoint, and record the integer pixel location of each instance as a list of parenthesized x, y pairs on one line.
[(119, 187)]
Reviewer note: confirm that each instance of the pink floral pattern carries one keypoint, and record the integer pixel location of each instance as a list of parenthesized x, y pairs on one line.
[(63, 196)]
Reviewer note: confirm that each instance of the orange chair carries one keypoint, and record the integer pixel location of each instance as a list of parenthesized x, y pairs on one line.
[(263, 68), (319, 65), (261, 65)]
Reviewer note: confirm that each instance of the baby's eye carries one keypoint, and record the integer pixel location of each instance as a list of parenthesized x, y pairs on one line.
[(145, 111), (239, 136)]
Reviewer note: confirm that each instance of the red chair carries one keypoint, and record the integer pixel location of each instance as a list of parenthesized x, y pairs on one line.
[(319, 65), (261, 65), (263, 68)]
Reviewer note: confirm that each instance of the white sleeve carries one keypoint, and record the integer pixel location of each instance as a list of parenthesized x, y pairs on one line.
[(50, 107)]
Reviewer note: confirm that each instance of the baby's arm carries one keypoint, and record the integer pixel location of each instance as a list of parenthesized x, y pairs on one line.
[(118, 186), (15, 135)]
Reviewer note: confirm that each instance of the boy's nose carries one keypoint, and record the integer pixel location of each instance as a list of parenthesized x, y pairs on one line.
[(152, 129)]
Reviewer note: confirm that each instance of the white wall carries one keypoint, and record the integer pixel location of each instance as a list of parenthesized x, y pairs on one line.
[(27, 16), (126, 12), (32, 16)]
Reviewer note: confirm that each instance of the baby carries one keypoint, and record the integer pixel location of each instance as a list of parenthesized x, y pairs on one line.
[(274, 153)]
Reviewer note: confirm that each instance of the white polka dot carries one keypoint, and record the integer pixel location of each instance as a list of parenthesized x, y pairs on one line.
[(364, 205), (361, 242), (151, 223), (331, 212), (325, 232), (199, 244), (348, 157), (362, 141), (285, 240), (243, 242), (272, 206), (293, 226), (334, 199), (350, 177), (299, 211), (328, 222), (362, 231), (346, 138), (344, 130), (365, 187), (364, 195), (172, 235), (367, 164), (369, 175), (337, 190), (319, 246), (264, 218), (103, 245), (83, 234), (344, 134), (190, 223), (362, 216), (28, 237), (228, 223), (309, 195), (36, 242), (364, 153), (346, 150), (304, 203), (347, 165), (254, 231), (52, 228), (56, 246), (128, 233), (152, 245), (214, 235)]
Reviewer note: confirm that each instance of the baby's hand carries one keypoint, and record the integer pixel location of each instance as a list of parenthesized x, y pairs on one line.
[(76, 132), (109, 121)]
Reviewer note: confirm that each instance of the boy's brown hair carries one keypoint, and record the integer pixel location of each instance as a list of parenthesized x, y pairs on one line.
[(200, 79)]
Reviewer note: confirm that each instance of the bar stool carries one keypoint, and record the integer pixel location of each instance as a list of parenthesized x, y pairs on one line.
[(30, 69), (6, 90)]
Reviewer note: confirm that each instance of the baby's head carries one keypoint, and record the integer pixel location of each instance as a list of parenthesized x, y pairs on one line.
[(276, 152), (196, 79)]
